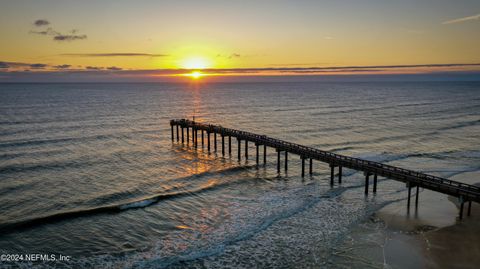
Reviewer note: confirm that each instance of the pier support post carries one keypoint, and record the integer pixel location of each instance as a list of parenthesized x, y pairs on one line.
[(278, 161), (215, 141), (409, 193), (264, 154), (469, 211), (303, 166), (171, 127), (195, 138), (223, 145), (461, 209), (286, 160), (208, 140), (203, 143), (257, 159), (416, 196), (367, 179), (188, 136), (230, 145), (339, 175), (311, 167), (183, 138), (246, 149), (239, 149), (375, 179), (178, 135), (332, 174), (194, 135)]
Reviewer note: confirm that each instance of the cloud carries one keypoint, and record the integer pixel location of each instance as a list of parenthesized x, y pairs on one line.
[(464, 19), (38, 66), (113, 71), (41, 22), (229, 56), (58, 36), (118, 54), (49, 31), (61, 37), (93, 68), (63, 66)]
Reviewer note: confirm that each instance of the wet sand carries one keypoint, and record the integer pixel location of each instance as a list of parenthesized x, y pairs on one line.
[(429, 236), (432, 236)]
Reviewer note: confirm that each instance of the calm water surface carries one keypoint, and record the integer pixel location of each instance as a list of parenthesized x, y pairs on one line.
[(97, 162)]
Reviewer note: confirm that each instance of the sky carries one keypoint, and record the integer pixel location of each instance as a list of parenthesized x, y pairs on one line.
[(144, 40)]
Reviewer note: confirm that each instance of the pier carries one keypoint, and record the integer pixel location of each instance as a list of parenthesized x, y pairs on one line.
[(466, 193)]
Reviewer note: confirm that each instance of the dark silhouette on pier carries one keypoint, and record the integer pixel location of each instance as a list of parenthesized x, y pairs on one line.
[(464, 192)]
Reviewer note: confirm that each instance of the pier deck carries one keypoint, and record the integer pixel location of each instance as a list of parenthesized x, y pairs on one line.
[(465, 192)]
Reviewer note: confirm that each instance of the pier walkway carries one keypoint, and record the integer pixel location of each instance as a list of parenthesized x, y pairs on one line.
[(464, 192)]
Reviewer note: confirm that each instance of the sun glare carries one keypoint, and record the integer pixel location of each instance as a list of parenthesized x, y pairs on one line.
[(195, 74), (196, 63)]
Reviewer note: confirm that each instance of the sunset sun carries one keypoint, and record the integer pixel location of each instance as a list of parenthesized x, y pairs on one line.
[(195, 74)]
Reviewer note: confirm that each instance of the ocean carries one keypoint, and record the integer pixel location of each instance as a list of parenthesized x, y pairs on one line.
[(89, 171)]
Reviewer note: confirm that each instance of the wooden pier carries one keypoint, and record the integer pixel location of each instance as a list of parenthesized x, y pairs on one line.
[(464, 192)]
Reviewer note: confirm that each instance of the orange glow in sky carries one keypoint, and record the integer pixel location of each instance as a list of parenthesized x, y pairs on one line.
[(42, 40), (195, 74)]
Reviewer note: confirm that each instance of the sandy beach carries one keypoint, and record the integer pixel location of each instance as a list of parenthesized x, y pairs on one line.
[(430, 236)]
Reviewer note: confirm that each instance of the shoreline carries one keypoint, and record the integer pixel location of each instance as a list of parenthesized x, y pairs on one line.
[(430, 236), (433, 233)]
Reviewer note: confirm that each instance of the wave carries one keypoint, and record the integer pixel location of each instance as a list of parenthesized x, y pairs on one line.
[(23, 143), (15, 168), (460, 125), (139, 204), (109, 209), (8, 227), (188, 256)]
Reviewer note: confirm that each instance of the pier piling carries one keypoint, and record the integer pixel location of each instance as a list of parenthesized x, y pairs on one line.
[(264, 154), (416, 196), (409, 193), (286, 160), (461, 209), (278, 161), (208, 141), (183, 138), (311, 167), (188, 138), (375, 183), (257, 157), (203, 143), (367, 178), (223, 145), (340, 175), (239, 149), (332, 174), (246, 149), (230, 145), (195, 139), (215, 142), (303, 166)]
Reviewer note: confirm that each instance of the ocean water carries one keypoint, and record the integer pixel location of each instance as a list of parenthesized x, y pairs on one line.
[(90, 171)]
